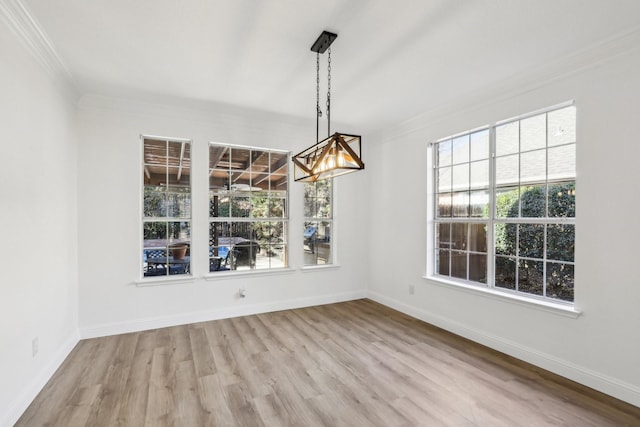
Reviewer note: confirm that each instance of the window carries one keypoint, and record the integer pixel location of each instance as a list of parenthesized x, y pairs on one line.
[(507, 220), (166, 220), (248, 213), (318, 220)]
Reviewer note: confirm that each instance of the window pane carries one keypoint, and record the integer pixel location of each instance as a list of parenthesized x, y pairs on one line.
[(459, 264), (461, 177), (533, 133), (530, 277), (507, 138), (317, 225), (153, 232), (533, 201), (533, 166), (444, 153), (442, 262), (531, 240), (479, 174), (155, 152), (179, 202), (478, 268), (562, 126), (506, 238), (461, 149), (445, 209), (155, 202), (479, 204), (277, 206), (459, 236), (560, 242), (478, 238), (443, 236), (238, 158), (508, 203), (480, 145), (166, 199), (562, 200), (444, 179), (562, 162), (460, 204), (507, 170), (240, 205), (505, 273), (560, 280)]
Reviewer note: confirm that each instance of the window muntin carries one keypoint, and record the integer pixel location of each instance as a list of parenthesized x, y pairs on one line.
[(166, 220), (318, 223), (248, 202), (515, 231)]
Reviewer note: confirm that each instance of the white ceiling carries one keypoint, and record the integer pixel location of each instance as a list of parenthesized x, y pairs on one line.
[(391, 61)]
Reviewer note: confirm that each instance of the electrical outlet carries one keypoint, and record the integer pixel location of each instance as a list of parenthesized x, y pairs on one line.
[(412, 289), (242, 293), (34, 347)]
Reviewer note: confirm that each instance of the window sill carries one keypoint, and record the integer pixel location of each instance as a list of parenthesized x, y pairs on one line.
[(310, 268), (548, 306), (172, 280), (231, 274)]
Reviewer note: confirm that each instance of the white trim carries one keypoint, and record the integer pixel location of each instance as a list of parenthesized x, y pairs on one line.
[(559, 308), (319, 267), (165, 280), (26, 27), (115, 328), (612, 386), (576, 63), (229, 274), (26, 395), (250, 147)]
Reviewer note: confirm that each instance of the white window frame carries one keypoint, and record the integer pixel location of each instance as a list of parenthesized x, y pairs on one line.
[(553, 304), (229, 266), (183, 264), (308, 241)]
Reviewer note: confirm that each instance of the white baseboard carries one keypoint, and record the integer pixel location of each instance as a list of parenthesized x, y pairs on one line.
[(603, 383), (221, 313), (31, 390)]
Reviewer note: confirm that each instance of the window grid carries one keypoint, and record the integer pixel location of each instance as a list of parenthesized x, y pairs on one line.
[(518, 242), (166, 211), (318, 223), (248, 208)]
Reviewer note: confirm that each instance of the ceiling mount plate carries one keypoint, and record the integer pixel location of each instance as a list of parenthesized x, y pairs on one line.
[(323, 42)]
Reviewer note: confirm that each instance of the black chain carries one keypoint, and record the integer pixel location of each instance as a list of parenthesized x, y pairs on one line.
[(318, 111), (329, 93)]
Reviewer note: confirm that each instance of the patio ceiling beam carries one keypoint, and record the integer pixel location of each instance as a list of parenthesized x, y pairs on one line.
[(182, 148)]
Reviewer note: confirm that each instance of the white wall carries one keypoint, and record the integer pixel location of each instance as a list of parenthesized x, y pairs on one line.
[(600, 348), (110, 229), (38, 249)]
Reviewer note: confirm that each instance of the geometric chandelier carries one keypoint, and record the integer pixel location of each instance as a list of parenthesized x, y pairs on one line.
[(338, 154)]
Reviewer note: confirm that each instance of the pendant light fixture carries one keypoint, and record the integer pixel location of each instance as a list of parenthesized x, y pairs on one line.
[(339, 153)]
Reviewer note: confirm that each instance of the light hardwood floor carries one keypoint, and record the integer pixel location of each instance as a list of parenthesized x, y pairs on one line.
[(350, 364)]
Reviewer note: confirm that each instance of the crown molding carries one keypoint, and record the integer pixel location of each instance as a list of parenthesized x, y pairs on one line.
[(578, 62), (33, 37)]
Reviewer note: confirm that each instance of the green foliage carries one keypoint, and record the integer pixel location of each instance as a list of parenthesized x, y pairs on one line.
[(527, 240), (531, 201)]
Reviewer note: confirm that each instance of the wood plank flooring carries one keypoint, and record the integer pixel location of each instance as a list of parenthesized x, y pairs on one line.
[(349, 364)]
